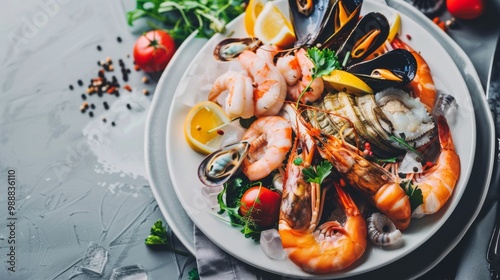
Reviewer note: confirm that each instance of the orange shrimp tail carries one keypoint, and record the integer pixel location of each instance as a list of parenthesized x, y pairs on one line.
[(423, 84), (392, 200), (438, 182)]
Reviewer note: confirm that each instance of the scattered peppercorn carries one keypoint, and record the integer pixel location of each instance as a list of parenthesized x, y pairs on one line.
[(105, 104), (127, 87), (92, 106), (145, 80), (408, 36), (129, 106), (220, 132), (91, 114), (145, 92), (119, 39), (80, 82), (113, 123), (84, 97), (71, 87), (104, 120), (99, 48)]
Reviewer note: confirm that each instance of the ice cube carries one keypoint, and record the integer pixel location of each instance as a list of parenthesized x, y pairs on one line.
[(130, 272), (95, 259), (270, 242), (233, 133), (210, 196)]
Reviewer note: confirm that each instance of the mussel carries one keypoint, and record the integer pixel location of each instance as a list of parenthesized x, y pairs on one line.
[(219, 166), (395, 68), (368, 35), (229, 49), (328, 23)]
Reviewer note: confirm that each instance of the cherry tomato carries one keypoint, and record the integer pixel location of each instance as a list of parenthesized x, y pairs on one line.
[(465, 9), (262, 205), (153, 50)]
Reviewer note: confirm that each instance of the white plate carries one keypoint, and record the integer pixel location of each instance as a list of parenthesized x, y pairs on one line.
[(183, 162), (435, 249)]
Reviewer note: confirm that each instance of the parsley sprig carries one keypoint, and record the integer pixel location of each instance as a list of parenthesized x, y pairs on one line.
[(414, 192), (158, 235), (325, 61), (318, 174)]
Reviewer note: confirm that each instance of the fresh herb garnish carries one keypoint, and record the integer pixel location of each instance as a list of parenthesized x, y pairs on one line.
[(193, 274), (414, 192), (318, 174), (298, 161), (401, 140), (234, 190), (159, 236), (325, 61), (183, 17)]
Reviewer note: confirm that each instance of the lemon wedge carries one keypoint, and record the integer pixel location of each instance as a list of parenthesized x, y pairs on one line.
[(252, 11), (200, 126), (272, 27), (345, 81), (395, 27)]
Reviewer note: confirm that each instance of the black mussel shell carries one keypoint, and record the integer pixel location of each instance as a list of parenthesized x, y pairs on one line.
[(221, 165), (370, 33), (338, 28), (399, 62), (308, 27), (229, 49)]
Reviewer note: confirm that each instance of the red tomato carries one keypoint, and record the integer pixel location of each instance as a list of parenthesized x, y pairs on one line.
[(153, 50), (465, 9), (262, 205)]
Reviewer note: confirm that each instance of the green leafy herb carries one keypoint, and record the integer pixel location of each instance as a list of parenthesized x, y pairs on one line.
[(183, 17), (415, 194), (325, 61), (318, 174), (233, 192), (193, 274), (158, 236), (401, 140), (298, 161)]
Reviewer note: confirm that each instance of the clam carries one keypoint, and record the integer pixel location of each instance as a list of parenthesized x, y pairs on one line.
[(395, 68), (219, 166), (229, 48)]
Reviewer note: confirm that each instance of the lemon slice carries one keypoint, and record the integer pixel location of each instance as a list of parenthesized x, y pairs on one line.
[(395, 27), (345, 81), (200, 127), (272, 27), (252, 11)]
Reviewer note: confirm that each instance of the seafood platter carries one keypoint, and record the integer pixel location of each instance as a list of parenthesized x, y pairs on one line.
[(369, 158)]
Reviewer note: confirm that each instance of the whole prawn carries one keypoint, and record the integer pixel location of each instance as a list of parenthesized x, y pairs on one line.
[(438, 182), (423, 84), (316, 248), (270, 139), (296, 69), (380, 186)]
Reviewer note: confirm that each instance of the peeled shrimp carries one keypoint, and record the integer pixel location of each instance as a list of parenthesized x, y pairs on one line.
[(270, 87), (239, 99), (423, 84), (438, 182), (296, 69), (270, 139), (315, 248)]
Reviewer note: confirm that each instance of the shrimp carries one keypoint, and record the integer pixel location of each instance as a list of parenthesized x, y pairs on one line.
[(438, 182), (316, 248), (296, 69), (239, 99), (423, 84), (270, 139), (380, 186), (270, 91)]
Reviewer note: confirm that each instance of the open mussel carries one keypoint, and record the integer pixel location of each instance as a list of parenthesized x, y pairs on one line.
[(395, 68), (229, 49), (327, 23), (369, 34), (219, 166)]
